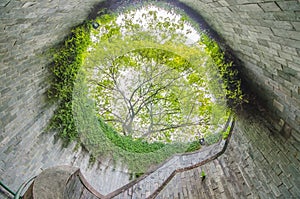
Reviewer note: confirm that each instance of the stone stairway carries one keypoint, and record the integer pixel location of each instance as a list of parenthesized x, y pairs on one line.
[(149, 185), (161, 182), (234, 169), (189, 184)]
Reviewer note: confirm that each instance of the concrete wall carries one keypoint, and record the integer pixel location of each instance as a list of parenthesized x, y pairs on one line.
[(263, 35)]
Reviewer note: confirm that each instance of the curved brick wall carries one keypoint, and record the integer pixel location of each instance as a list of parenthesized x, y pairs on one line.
[(27, 30), (256, 164), (263, 35)]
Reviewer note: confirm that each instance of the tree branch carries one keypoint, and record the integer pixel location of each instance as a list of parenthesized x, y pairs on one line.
[(172, 127)]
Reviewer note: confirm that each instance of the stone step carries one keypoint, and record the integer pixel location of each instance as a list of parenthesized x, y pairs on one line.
[(51, 183)]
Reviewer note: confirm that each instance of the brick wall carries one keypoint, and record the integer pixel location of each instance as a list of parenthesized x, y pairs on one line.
[(27, 31), (256, 164), (264, 35)]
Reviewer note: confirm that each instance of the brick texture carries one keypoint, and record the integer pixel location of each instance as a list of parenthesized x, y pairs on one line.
[(257, 163), (264, 35), (27, 31)]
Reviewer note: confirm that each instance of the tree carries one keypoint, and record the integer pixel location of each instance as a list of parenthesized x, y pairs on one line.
[(151, 91), (142, 86)]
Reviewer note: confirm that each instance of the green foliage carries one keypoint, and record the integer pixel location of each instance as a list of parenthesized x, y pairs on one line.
[(127, 143), (67, 60), (63, 122), (194, 146), (212, 138), (203, 174), (98, 137), (101, 140), (135, 175), (149, 100), (226, 133), (230, 80)]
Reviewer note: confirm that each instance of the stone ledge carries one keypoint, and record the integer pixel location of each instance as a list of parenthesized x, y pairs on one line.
[(51, 183)]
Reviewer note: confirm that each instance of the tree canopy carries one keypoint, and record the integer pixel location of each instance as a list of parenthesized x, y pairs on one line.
[(148, 77), (142, 75), (151, 92)]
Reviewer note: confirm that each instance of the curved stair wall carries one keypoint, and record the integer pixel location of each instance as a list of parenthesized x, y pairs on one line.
[(230, 171), (68, 182)]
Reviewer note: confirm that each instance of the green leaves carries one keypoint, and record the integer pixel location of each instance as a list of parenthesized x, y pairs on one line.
[(63, 122), (129, 144), (226, 133), (231, 82), (194, 78), (158, 84), (145, 71), (195, 145), (66, 62), (151, 93)]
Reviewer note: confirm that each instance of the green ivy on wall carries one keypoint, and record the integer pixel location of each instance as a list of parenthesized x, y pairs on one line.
[(67, 60), (229, 75)]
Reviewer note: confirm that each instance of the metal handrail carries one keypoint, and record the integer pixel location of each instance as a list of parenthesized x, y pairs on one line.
[(17, 195), (20, 190), (7, 189)]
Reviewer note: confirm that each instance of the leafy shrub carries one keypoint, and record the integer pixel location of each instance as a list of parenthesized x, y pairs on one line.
[(67, 61), (226, 133), (127, 143)]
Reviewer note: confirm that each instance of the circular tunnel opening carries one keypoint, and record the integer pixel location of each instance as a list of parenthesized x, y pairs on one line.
[(141, 84)]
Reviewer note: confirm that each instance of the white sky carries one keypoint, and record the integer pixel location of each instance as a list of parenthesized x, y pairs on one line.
[(162, 14)]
